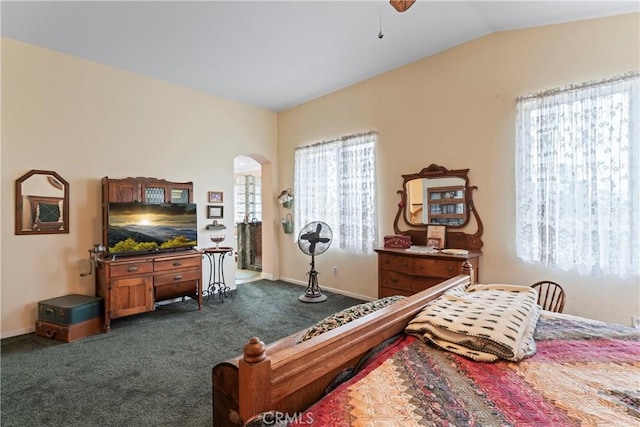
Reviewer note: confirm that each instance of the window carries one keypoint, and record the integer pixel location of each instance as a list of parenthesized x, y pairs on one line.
[(248, 193), (335, 182), (578, 178)]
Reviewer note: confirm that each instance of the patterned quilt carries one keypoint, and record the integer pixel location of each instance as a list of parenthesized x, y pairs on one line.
[(584, 373)]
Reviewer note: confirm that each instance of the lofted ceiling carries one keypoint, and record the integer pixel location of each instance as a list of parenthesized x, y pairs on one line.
[(273, 54)]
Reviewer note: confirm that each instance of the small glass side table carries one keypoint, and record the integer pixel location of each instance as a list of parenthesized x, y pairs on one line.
[(216, 272)]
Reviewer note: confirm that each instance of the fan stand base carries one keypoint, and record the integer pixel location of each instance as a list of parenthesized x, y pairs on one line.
[(312, 298), (313, 293)]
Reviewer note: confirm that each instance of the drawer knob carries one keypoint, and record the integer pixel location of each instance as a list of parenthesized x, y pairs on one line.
[(132, 268), (450, 268), (178, 277), (177, 264), (405, 264), (421, 267), (395, 280)]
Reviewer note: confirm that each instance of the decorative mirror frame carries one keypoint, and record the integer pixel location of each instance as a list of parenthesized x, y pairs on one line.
[(41, 227), (418, 232)]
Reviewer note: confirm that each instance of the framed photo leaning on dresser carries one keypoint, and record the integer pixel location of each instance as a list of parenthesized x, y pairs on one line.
[(435, 233), (435, 243)]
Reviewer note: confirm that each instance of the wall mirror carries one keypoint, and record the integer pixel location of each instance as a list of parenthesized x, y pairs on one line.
[(437, 195), (42, 203)]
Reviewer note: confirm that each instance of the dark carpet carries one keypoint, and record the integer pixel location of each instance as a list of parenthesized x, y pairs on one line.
[(152, 369)]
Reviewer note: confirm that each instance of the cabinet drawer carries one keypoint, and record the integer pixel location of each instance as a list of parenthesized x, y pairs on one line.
[(175, 290), (437, 268), (176, 277), (131, 269), (176, 284), (396, 263), (172, 264), (392, 279)]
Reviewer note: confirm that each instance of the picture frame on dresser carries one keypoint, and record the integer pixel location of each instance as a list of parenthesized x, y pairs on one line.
[(434, 242), (437, 234)]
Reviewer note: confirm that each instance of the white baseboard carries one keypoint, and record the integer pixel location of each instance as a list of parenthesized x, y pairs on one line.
[(268, 276), (16, 332), (335, 291)]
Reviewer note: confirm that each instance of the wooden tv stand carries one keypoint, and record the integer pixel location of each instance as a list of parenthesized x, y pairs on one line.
[(132, 285)]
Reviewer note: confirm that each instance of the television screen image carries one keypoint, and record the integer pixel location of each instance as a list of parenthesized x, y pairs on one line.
[(151, 227)]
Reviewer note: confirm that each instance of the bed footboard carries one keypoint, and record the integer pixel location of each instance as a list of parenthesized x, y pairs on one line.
[(287, 376)]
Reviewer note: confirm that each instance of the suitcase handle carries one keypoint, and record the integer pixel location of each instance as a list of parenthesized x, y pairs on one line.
[(50, 332), (49, 311)]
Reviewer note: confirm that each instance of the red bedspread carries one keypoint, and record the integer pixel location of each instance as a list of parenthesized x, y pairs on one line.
[(584, 373)]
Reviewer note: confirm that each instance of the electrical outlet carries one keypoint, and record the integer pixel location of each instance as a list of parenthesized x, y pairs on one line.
[(635, 322), (335, 270)]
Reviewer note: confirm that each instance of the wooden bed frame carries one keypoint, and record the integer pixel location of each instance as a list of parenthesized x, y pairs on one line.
[(289, 377)]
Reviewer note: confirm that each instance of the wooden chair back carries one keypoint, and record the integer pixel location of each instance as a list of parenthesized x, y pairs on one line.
[(551, 295)]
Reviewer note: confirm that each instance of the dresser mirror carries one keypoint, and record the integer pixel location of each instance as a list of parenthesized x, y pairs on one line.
[(437, 195), (436, 201), (42, 203)]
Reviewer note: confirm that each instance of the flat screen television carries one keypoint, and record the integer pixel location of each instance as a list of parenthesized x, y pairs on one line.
[(151, 227)]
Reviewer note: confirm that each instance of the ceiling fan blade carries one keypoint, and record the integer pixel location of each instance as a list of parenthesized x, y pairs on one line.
[(402, 5)]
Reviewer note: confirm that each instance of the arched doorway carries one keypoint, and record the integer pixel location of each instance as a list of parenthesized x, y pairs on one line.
[(248, 218)]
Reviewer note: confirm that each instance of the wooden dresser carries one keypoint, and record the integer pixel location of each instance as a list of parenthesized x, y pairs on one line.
[(402, 272), (132, 285)]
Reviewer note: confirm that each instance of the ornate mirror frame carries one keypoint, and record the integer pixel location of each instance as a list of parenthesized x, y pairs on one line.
[(42, 203), (418, 232)]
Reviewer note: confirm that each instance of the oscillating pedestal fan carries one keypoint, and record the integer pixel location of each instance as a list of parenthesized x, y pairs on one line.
[(314, 239)]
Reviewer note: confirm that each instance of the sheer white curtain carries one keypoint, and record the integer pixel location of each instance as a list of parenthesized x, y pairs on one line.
[(335, 182), (578, 178)]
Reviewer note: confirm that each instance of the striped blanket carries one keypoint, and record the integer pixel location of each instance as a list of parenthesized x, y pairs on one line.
[(482, 322)]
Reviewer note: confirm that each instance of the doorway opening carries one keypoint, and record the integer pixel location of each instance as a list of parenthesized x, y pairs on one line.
[(248, 218)]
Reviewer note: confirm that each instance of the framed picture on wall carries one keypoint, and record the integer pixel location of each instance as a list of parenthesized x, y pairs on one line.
[(438, 234), (215, 196), (214, 211)]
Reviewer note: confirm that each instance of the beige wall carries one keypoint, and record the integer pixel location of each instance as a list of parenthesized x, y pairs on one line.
[(457, 109), (86, 121)]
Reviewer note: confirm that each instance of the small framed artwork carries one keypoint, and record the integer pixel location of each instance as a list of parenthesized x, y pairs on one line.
[(214, 211), (215, 196), (434, 242), (437, 232)]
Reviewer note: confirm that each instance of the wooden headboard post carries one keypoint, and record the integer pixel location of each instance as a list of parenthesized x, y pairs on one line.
[(467, 269)]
